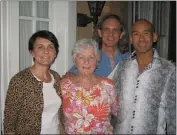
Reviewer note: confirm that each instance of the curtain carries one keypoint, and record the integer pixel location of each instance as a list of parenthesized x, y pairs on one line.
[(161, 16), (158, 13)]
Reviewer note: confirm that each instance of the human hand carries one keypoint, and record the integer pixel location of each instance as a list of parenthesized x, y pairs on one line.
[(68, 74)]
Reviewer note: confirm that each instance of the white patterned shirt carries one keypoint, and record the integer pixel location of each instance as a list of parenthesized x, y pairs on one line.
[(147, 101)]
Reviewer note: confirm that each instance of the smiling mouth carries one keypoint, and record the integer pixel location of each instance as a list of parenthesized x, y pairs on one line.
[(142, 45), (45, 57), (86, 67)]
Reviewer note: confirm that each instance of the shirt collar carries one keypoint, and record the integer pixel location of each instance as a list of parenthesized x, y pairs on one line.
[(117, 53), (149, 66), (155, 54)]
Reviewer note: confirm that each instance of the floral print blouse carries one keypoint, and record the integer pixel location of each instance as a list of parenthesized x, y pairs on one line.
[(89, 111)]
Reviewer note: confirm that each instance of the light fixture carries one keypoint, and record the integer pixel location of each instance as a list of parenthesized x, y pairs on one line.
[(83, 20), (95, 8)]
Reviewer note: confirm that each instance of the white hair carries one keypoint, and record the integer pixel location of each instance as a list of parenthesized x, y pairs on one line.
[(86, 43)]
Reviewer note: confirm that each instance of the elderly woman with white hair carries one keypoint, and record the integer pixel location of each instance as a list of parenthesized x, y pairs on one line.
[(89, 100)]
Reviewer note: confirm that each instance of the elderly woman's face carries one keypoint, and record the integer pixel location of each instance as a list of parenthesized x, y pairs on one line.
[(86, 61), (44, 52)]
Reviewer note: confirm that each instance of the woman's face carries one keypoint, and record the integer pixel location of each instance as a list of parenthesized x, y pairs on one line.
[(86, 61), (44, 52)]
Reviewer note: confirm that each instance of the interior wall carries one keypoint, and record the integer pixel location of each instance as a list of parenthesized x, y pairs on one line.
[(119, 8), (83, 32)]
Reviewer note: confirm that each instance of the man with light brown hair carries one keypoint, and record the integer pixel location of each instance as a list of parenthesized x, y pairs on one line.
[(113, 45)]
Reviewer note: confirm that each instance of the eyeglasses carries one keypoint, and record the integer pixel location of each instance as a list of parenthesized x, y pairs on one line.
[(113, 31)]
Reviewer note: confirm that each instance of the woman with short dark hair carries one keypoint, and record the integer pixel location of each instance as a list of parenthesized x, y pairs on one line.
[(33, 102)]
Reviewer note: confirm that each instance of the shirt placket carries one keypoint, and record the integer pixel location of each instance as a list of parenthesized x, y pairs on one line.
[(135, 104)]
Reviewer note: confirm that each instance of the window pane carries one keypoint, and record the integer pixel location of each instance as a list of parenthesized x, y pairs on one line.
[(25, 8), (42, 9), (41, 25), (25, 34)]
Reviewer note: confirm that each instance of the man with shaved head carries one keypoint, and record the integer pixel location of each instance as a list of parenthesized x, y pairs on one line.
[(146, 85)]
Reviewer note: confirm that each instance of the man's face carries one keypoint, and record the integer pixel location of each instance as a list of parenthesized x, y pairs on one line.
[(142, 37), (110, 33)]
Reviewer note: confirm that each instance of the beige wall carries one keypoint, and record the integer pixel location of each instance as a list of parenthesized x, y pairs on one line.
[(117, 7), (84, 32)]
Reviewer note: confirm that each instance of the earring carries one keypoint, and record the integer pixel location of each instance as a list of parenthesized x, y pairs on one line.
[(33, 58)]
